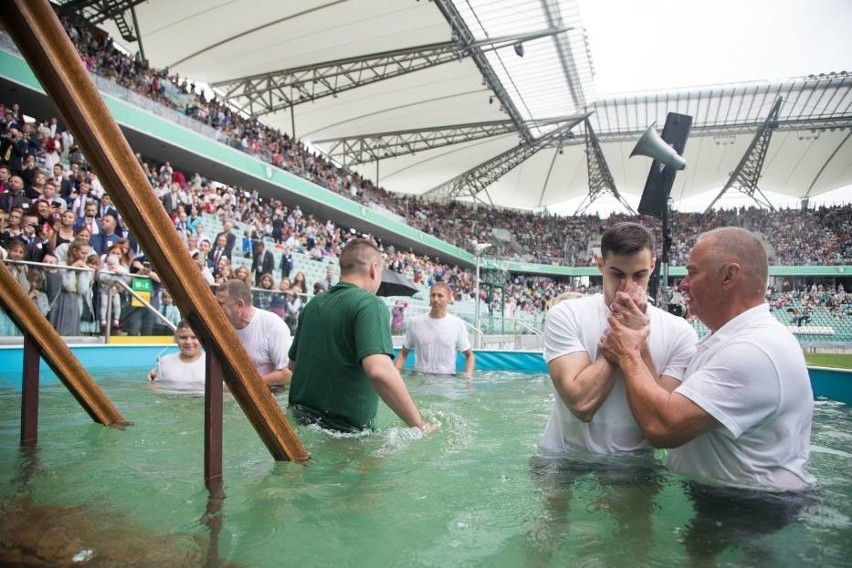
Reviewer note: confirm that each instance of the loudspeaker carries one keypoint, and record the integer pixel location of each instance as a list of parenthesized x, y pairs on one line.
[(661, 176), (652, 145)]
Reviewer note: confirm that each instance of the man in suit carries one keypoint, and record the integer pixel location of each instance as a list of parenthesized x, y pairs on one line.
[(90, 219), (13, 150), (219, 251), (230, 237), (108, 235), (107, 206), (15, 197), (263, 262)]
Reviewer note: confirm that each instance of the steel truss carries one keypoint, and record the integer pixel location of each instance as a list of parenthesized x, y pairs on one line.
[(270, 92), (97, 12), (600, 177), (354, 150), (745, 177), (477, 179)]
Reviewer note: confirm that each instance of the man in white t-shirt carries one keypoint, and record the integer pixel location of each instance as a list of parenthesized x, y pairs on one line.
[(742, 415), (436, 337), (591, 413), (264, 334)]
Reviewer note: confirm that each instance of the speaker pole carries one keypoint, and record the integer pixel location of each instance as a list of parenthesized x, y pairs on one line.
[(667, 151)]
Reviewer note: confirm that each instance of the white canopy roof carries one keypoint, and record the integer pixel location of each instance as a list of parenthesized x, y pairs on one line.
[(220, 43)]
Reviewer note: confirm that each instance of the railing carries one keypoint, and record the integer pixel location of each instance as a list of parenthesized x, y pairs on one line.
[(132, 294)]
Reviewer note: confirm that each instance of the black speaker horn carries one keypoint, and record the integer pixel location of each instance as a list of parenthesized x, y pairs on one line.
[(666, 151)]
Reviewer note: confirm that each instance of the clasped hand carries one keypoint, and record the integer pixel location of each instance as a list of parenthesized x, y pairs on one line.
[(628, 325)]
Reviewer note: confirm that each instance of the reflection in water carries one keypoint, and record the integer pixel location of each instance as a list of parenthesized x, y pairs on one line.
[(740, 519), (622, 491)]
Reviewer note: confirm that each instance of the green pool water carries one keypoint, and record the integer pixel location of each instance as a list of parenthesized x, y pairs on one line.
[(466, 496)]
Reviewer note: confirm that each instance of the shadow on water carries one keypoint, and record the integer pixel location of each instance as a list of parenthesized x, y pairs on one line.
[(92, 534)]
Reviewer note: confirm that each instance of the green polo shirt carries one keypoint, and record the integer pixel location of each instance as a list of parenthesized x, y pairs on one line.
[(337, 329)]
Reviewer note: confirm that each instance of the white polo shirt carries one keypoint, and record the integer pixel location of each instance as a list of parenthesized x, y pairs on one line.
[(751, 376)]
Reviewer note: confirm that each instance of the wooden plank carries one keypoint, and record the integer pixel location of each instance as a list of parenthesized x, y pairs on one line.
[(55, 352), (46, 47)]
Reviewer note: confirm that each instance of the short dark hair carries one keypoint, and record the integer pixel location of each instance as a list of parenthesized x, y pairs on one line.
[(627, 238), (357, 255)]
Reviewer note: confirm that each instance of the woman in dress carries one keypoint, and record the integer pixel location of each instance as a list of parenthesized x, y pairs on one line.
[(67, 310)]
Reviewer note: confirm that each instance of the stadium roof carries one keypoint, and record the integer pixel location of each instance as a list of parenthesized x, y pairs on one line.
[(484, 99)]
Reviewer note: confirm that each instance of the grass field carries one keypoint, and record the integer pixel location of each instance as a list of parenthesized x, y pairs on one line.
[(835, 360)]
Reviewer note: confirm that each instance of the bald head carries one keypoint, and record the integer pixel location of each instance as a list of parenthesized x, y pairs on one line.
[(734, 245)]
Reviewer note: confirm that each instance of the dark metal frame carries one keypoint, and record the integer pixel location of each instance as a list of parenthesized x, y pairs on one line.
[(747, 173), (600, 176), (477, 179)]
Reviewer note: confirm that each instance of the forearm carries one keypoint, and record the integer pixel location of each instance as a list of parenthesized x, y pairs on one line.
[(587, 391), (652, 368), (278, 377), (399, 362), (391, 388), (400, 402), (647, 397), (469, 363)]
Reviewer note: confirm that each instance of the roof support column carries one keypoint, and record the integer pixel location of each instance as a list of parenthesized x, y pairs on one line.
[(600, 176), (744, 179)]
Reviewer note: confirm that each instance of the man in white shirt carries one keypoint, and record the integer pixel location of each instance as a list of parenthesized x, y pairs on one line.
[(264, 335), (742, 415), (436, 337), (590, 413)]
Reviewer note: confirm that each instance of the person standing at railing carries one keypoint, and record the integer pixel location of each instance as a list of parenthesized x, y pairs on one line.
[(17, 250), (292, 308), (36, 293), (67, 311), (262, 296), (110, 272)]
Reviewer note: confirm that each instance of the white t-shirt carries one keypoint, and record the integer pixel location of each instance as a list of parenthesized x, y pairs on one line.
[(435, 342), (577, 325), (177, 375), (751, 376), (267, 341)]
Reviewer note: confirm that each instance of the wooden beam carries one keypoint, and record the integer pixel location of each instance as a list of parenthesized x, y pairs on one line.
[(46, 47), (23, 311)]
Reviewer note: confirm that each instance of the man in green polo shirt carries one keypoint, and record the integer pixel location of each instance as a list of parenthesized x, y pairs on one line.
[(342, 354)]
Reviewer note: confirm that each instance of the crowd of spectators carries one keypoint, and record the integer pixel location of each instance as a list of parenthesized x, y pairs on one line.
[(46, 209), (50, 197), (801, 301), (796, 237)]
